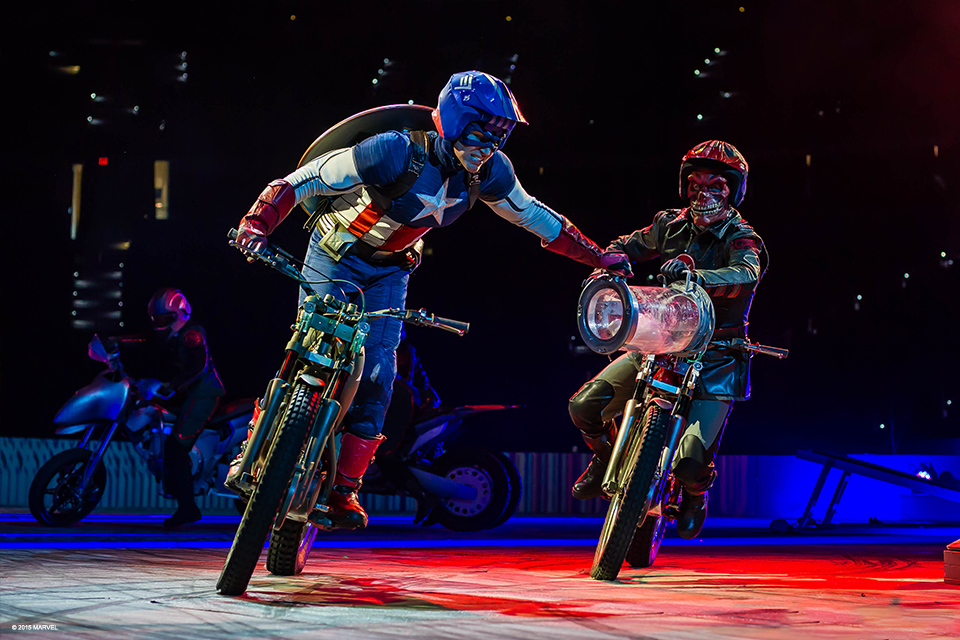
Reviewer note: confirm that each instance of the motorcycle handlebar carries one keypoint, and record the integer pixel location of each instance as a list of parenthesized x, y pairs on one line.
[(776, 352), (424, 319), (454, 326)]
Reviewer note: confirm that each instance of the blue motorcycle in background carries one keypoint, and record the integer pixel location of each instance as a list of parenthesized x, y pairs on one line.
[(70, 484)]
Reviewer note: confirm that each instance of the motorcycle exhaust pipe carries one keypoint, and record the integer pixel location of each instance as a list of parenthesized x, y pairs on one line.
[(277, 391)]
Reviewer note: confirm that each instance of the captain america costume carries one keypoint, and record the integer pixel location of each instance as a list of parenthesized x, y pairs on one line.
[(371, 203), (440, 195)]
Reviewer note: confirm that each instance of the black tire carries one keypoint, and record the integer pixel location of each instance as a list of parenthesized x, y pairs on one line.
[(646, 542), (240, 505), (54, 497), (483, 471), (290, 547), (516, 488), (626, 507), (270, 490)]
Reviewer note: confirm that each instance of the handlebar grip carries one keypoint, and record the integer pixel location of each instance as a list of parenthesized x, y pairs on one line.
[(232, 234), (452, 325), (776, 352)]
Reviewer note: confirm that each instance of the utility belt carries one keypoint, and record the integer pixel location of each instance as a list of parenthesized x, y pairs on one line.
[(338, 241)]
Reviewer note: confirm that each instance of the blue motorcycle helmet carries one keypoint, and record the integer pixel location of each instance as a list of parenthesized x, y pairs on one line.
[(474, 96)]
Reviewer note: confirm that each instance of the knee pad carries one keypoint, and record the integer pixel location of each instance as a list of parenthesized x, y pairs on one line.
[(587, 405)]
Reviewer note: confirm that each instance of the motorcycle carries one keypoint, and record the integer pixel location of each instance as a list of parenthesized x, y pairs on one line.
[(671, 327), (461, 489), (290, 459), (70, 484)]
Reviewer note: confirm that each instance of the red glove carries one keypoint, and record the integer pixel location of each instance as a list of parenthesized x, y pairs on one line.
[(616, 262), (273, 205)]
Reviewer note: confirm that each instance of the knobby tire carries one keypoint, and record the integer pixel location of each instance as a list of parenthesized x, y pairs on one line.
[(626, 507), (646, 543), (284, 554), (272, 485)]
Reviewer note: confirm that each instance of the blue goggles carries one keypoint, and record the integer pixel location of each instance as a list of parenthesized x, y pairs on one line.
[(474, 135)]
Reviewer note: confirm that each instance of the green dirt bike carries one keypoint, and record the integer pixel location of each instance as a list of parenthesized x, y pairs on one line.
[(290, 459), (672, 327)]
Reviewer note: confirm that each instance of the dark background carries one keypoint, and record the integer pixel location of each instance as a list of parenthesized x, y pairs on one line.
[(868, 90)]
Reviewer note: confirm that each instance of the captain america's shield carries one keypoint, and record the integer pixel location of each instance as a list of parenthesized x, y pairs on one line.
[(394, 117)]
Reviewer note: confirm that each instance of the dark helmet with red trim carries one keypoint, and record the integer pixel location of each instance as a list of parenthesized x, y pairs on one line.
[(474, 96), (168, 310), (721, 158)]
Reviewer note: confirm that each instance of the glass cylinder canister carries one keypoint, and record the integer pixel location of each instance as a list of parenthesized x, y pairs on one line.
[(661, 320)]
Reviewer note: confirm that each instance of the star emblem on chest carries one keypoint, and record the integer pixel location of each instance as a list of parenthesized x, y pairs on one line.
[(436, 204)]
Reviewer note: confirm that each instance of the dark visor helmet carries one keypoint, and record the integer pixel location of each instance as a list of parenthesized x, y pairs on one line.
[(168, 309), (721, 158), (474, 96)]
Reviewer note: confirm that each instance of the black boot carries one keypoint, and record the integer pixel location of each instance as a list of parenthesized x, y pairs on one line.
[(693, 511), (588, 485), (180, 479), (696, 472)]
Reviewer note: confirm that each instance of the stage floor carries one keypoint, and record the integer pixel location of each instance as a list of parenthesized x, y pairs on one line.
[(115, 576)]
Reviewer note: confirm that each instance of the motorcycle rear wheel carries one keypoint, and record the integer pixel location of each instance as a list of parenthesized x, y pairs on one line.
[(270, 490), (646, 542), (61, 505), (483, 471), (625, 513), (290, 547)]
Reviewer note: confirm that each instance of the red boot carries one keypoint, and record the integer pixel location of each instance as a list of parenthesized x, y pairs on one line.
[(356, 453), (232, 481)]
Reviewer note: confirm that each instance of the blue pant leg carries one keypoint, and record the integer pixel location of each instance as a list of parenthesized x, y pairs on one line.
[(387, 289), (383, 287)]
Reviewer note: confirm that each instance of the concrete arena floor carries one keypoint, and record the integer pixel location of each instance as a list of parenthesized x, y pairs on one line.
[(115, 576)]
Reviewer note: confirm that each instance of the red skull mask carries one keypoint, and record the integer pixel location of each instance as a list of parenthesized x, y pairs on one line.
[(709, 196)]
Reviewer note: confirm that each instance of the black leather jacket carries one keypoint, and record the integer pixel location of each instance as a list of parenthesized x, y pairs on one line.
[(730, 260), (196, 373)]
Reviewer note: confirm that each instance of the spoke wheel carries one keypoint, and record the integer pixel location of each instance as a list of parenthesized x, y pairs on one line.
[(271, 488), (625, 513), (55, 498)]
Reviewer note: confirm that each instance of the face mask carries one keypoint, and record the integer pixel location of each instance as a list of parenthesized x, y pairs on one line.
[(474, 135), (708, 195)]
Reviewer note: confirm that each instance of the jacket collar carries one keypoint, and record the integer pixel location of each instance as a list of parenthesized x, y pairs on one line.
[(718, 228)]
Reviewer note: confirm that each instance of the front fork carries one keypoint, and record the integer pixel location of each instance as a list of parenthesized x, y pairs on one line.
[(94, 459), (628, 429), (264, 430), (628, 423)]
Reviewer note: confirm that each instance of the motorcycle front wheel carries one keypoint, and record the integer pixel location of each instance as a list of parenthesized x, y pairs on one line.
[(55, 499), (290, 547), (257, 521), (626, 507)]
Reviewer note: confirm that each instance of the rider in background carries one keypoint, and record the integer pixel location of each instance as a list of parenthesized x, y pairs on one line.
[(730, 260), (196, 390), (413, 395), (383, 195)]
